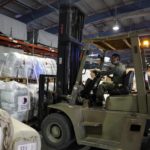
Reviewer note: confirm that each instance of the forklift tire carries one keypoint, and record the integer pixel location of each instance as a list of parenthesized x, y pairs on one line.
[(56, 131)]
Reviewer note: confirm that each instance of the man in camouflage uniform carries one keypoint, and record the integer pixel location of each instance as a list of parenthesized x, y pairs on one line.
[(118, 70)]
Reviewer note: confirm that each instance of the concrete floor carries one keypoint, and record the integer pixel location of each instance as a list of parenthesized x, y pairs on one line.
[(73, 147)]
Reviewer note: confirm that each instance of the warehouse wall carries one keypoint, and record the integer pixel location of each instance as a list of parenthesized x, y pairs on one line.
[(4, 49), (12, 27), (47, 39)]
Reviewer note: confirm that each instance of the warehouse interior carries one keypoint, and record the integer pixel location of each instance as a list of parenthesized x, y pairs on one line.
[(74, 74)]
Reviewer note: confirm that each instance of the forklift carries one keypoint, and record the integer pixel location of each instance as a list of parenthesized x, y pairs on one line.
[(67, 116)]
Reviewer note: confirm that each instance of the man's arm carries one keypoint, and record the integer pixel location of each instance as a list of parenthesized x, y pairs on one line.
[(110, 70)]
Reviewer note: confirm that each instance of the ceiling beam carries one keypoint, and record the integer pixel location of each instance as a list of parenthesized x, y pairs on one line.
[(120, 10), (35, 14), (115, 17), (125, 10), (140, 26), (98, 46), (108, 45), (5, 2), (127, 43)]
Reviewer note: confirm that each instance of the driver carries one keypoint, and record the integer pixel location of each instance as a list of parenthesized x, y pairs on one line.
[(118, 70)]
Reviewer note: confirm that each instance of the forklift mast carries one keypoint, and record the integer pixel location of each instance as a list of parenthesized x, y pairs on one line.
[(71, 23)]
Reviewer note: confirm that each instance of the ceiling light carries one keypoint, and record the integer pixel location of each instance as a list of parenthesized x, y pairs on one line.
[(146, 43), (116, 26)]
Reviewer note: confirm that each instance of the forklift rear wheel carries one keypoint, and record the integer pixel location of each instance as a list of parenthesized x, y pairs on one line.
[(56, 131), (146, 143)]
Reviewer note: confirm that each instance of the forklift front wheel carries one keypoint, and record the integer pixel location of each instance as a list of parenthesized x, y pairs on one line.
[(56, 131), (146, 143)]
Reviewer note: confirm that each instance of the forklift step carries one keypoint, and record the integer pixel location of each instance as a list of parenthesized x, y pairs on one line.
[(105, 144), (91, 124)]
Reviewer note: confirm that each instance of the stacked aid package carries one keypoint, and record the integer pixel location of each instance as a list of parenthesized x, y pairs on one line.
[(25, 66), (15, 135), (34, 97), (3, 57), (15, 99), (14, 66), (50, 66), (18, 65), (24, 137), (33, 90), (19, 100), (6, 131)]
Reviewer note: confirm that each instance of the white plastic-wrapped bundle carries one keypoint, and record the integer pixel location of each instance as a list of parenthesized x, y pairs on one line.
[(33, 90), (2, 61), (24, 66), (39, 66), (6, 131), (19, 65), (15, 100), (14, 66), (50, 66), (54, 67), (29, 67), (25, 138), (2, 85)]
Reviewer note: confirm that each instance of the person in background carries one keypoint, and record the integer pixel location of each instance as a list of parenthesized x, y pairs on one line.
[(147, 77), (91, 73), (118, 70), (99, 67), (100, 62)]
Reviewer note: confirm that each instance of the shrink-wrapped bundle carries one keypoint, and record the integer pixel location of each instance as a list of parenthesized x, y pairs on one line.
[(54, 67), (18, 65), (39, 66), (15, 100), (14, 65), (24, 66), (50, 66), (29, 71), (2, 85), (34, 98), (6, 131), (24, 137), (33, 90), (2, 61)]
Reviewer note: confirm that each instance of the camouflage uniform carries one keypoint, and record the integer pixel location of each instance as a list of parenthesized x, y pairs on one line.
[(118, 72)]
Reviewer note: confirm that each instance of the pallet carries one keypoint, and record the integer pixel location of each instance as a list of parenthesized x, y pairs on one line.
[(20, 80)]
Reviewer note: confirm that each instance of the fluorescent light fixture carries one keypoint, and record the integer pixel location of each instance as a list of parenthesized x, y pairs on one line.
[(116, 26)]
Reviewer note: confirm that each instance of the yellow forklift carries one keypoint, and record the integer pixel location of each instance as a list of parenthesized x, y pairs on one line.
[(121, 124)]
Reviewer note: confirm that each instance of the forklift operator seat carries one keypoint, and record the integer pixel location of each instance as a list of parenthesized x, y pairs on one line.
[(128, 80), (126, 88), (125, 101)]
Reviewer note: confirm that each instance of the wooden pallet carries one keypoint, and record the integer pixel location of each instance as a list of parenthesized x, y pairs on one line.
[(20, 80)]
